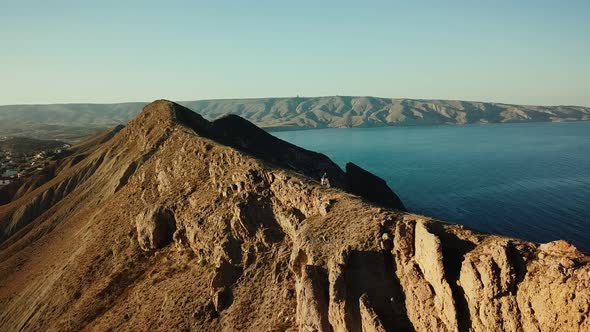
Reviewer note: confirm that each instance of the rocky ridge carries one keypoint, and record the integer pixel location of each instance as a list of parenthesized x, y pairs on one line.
[(179, 223)]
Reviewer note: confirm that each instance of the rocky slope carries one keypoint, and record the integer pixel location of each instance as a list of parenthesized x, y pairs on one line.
[(70, 121), (177, 223)]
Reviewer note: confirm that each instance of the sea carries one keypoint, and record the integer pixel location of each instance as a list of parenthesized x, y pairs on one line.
[(523, 180)]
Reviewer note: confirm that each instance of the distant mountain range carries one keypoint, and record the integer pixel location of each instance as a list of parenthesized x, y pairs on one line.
[(75, 120)]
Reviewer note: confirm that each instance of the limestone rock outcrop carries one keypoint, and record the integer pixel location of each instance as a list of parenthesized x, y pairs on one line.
[(155, 228)]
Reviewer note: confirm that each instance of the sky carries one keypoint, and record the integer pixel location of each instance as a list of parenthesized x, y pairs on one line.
[(518, 51)]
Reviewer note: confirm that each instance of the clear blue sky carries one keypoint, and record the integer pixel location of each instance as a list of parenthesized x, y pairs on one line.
[(517, 51)]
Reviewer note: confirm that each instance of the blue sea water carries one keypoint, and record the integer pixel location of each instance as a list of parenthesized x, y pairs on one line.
[(525, 180)]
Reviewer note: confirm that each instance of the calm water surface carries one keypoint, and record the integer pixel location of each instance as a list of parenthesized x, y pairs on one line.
[(530, 181)]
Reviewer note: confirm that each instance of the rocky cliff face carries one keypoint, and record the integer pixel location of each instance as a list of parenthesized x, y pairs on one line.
[(177, 223)]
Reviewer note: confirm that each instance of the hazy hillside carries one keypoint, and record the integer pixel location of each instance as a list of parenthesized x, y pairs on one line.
[(316, 112), (372, 112), (63, 121), (28, 145)]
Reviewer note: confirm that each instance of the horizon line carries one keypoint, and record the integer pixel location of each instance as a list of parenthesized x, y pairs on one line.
[(287, 97)]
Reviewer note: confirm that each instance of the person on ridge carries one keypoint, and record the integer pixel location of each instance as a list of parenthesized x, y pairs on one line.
[(324, 180)]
